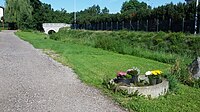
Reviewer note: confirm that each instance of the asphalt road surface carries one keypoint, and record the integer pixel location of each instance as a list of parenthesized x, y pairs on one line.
[(30, 81)]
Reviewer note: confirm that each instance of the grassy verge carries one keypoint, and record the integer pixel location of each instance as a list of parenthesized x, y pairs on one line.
[(93, 65)]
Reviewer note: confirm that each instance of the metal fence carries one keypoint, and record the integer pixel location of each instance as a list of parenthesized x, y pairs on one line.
[(151, 25)]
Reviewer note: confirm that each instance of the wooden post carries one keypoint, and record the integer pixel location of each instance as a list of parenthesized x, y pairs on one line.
[(157, 23), (101, 25), (183, 25), (111, 25), (106, 26), (122, 24), (138, 25), (117, 25), (170, 24), (147, 27)]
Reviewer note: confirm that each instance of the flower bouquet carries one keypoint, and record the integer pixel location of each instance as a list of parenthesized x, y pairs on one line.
[(134, 72), (130, 76), (122, 77), (154, 76)]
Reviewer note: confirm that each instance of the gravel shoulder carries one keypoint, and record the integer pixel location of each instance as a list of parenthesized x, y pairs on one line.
[(30, 81)]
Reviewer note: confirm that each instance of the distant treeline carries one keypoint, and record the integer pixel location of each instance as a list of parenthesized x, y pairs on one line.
[(32, 13), (135, 15)]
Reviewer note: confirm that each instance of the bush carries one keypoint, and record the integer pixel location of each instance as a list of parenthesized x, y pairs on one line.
[(181, 72), (173, 82)]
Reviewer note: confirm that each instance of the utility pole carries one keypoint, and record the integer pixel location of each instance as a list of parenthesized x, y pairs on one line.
[(147, 18), (196, 17), (74, 14)]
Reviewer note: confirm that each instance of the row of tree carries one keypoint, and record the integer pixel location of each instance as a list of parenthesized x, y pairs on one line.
[(135, 10), (32, 13)]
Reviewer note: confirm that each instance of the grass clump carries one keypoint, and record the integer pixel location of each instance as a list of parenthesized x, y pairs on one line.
[(93, 65)]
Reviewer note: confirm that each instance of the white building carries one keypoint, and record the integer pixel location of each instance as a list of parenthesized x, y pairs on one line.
[(1, 12)]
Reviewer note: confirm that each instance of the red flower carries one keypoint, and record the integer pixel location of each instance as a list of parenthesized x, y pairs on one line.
[(120, 74)]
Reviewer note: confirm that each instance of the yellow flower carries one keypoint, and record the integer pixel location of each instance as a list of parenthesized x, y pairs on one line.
[(156, 72)]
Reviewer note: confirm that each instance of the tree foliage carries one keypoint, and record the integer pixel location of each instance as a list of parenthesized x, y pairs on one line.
[(44, 13), (31, 14), (19, 12), (105, 10), (133, 10)]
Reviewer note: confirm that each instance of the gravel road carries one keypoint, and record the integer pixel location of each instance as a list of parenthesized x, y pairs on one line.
[(30, 81)]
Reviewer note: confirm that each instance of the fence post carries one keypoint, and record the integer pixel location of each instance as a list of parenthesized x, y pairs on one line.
[(117, 25), (122, 25), (87, 26), (170, 24), (97, 25), (91, 27), (111, 25), (157, 23), (106, 25), (147, 27), (83, 25), (130, 24), (199, 28), (101, 25), (138, 22), (183, 24)]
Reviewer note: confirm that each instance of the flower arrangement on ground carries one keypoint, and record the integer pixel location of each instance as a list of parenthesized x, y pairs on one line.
[(134, 72), (130, 76), (154, 76)]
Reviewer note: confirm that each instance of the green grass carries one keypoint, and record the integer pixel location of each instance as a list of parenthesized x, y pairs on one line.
[(93, 65), (162, 47)]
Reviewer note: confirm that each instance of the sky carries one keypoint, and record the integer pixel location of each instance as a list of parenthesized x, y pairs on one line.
[(113, 5)]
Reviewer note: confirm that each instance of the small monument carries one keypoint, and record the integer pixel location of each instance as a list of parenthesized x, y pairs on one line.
[(195, 68)]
